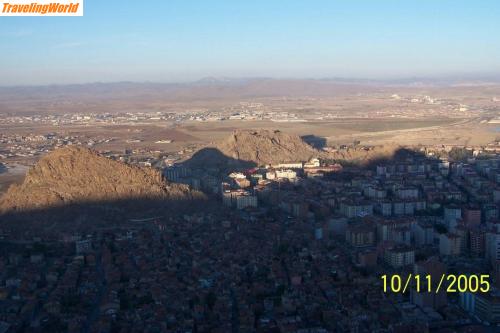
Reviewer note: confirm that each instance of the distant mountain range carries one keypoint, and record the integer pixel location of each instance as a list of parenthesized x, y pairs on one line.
[(205, 88), (106, 87), (212, 87)]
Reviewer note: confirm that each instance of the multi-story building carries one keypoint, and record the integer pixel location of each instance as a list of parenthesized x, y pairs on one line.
[(477, 241), (423, 233), (407, 193), (472, 215), (451, 216), (356, 209), (246, 200), (395, 230), (450, 244), (399, 256), (290, 165), (286, 173), (492, 246), (360, 234), (83, 246), (487, 306)]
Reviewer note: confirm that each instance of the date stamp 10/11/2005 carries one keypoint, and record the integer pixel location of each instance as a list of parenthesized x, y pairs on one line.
[(449, 283)]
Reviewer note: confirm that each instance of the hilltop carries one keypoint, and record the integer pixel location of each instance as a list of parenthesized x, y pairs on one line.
[(266, 147), (75, 175), (254, 148)]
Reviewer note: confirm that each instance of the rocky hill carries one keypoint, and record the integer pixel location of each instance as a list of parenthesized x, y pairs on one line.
[(255, 148), (75, 175), (266, 147)]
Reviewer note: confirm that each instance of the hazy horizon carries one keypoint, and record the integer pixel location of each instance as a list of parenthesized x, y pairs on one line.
[(480, 78)]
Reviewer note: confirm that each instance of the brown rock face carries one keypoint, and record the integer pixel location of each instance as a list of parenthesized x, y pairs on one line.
[(75, 175), (266, 147)]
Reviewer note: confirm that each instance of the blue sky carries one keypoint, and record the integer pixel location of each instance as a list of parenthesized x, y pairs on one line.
[(184, 40)]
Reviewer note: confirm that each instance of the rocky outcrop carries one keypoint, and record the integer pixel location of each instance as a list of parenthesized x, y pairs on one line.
[(255, 148), (74, 175)]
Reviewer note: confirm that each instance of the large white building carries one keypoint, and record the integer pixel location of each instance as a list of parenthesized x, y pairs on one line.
[(290, 165), (288, 174), (313, 163)]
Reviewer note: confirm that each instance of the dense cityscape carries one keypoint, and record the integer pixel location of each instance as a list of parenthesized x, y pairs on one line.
[(299, 247)]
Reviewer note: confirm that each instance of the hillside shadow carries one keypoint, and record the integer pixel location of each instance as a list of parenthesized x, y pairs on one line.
[(101, 214), (314, 141), (214, 158), (399, 155), (85, 216)]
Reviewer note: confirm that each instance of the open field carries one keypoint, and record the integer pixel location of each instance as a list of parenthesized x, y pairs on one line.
[(342, 128), (122, 136)]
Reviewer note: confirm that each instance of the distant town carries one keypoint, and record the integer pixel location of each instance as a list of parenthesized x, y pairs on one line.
[(247, 110)]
